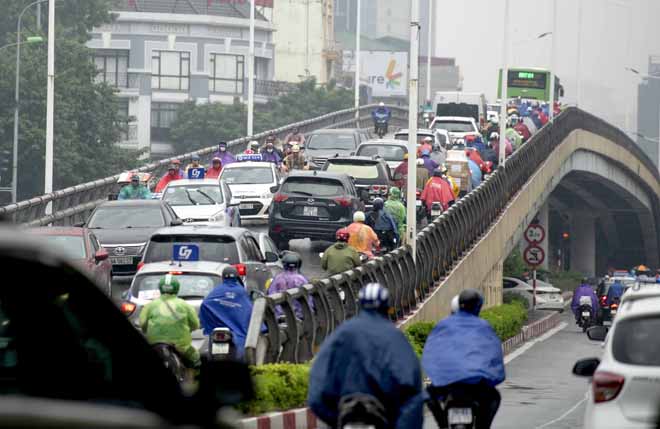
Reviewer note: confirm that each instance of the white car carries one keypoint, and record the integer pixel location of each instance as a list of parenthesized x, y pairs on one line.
[(548, 297), (457, 126), (392, 151), (626, 379), (250, 183), (202, 200)]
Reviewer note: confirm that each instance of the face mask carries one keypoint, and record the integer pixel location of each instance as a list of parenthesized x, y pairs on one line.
[(270, 149), (222, 149)]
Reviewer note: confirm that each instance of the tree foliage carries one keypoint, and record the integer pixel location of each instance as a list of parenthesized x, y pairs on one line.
[(87, 121)]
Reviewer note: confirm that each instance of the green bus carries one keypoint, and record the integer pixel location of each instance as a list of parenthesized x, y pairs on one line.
[(529, 83)]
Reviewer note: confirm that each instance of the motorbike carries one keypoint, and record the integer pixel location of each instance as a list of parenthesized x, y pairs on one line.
[(452, 409), (585, 317), (171, 359), (380, 126), (361, 411), (614, 307), (221, 345), (388, 241)]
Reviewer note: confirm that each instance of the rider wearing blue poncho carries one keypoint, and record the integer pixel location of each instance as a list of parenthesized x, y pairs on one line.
[(464, 353)]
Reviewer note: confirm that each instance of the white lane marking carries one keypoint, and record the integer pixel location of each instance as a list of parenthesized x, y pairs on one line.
[(563, 416), (529, 344)]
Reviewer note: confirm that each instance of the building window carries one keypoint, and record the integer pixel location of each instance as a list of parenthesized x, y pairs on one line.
[(227, 73), (170, 70), (162, 117), (112, 66)]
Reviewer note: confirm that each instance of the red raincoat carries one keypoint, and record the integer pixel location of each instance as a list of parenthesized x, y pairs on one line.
[(523, 130), (166, 179), (213, 173), (437, 190), (401, 169)]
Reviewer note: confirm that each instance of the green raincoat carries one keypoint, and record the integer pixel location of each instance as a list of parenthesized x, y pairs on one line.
[(397, 210), (130, 192), (339, 257)]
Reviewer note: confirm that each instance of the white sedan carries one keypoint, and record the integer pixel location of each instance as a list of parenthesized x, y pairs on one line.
[(250, 184), (548, 297), (202, 200)]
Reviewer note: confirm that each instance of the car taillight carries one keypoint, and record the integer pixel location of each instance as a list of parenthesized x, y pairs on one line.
[(344, 202), (603, 300), (140, 265), (614, 306), (221, 336), (241, 269), (606, 386), (279, 197), (377, 189), (127, 308)]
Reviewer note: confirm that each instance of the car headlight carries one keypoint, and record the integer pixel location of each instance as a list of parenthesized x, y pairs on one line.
[(218, 217), (266, 196)]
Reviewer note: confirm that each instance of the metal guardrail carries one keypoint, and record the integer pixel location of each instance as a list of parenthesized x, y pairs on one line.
[(74, 204), (440, 246)]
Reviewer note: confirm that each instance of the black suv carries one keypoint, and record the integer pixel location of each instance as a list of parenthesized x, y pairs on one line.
[(371, 175), (311, 204)]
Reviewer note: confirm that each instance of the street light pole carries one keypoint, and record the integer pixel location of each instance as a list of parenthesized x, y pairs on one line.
[(429, 52), (50, 104), (250, 107), (413, 88), (579, 53), (505, 85), (553, 62), (356, 58)]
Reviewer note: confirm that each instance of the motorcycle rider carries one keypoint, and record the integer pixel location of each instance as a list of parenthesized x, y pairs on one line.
[(427, 144), (584, 290), (252, 148), (228, 306), (438, 190), (368, 355), (225, 156), (134, 191), (400, 174), (428, 162), (422, 174), (395, 208), (290, 278), (269, 154), (340, 256), (615, 292), (194, 164), (170, 320), (215, 170), (383, 225), (380, 113), (361, 237), (295, 137), (172, 175), (463, 353), (295, 160)]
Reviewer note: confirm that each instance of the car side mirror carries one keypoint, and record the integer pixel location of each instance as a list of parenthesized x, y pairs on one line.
[(597, 333), (274, 189), (176, 222), (586, 367), (271, 257), (101, 255), (223, 383)]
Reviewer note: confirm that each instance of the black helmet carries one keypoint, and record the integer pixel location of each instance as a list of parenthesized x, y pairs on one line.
[(292, 261), (437, 172), (378, 204), (470, 301), (230, 272)]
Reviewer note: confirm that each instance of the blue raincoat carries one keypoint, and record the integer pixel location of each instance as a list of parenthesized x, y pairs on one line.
[(475, 173), (367, 354), (614, 292), (463, 348), (273, 157), (228, 306), (429, 164)]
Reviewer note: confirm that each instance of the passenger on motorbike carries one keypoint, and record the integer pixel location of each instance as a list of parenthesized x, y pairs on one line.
[(170, 320), (228, 306), (134, 191), (463, 354), (340, 256), (215, 170), (400, 174), (383, 225), (428, 162), (397, 210), (361, 237), (290, 278), (584, 290), (368, 355), (172, 175), (421, 174), (295, 137), (438, 190), (252, 148), (427, 144), (194, 164)]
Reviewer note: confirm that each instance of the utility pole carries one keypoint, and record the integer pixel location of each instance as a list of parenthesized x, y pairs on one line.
[(50, 104), (413, 88), (553, 62), (579, 53), (505, 84), (250, 106), (429, 53), (356, 58)]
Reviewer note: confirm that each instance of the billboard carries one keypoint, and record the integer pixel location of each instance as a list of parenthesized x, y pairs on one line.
[(385, 72)]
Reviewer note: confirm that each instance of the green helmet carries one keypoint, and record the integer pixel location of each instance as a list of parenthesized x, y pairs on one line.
[(169, 284), (395, 192)]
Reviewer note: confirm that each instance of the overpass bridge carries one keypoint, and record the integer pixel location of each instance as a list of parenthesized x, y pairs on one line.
[(582, 172)]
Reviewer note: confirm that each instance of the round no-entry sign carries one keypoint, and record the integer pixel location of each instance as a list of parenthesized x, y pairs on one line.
[(534, 255), (535, 233)]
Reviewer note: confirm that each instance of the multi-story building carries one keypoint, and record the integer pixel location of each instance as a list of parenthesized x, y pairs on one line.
[(161, 53), (648, 111)]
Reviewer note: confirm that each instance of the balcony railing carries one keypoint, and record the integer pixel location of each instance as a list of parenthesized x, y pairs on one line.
[(119, 80)]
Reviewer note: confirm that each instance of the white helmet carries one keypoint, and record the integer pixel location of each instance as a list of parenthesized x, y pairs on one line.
[(494, 136), (381, 104), (358, 216), (420, 161), (494, 120), (454, 305), (253, 143)]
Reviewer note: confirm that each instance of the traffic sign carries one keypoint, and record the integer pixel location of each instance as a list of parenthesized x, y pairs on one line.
[(534, 255), (535, 233)]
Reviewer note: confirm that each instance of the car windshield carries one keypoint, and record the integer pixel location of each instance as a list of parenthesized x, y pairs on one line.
[(215, 248), (455, 126), (312, 186), (193, 195), (190, 285), (358, 171), (404, 137), (119, 217), (331, 141), (387, 152), (636, 341), (73, 247), (247, 176)]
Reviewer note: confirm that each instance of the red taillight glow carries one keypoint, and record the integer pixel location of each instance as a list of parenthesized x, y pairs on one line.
[(176, 273), (603, 300), (221, 337), (606, 386), (278, 198), (344, 202), (140, 265), (127, 308), (614, 306), (241, 269)]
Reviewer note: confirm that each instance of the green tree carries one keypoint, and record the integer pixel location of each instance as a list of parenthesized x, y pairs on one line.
[(514, 265), (87, 122)]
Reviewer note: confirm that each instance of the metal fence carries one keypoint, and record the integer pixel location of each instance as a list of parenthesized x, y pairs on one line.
[(74, 204), (439, 247)]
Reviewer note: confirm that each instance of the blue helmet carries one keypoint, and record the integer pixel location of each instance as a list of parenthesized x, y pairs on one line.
[(375, 297)]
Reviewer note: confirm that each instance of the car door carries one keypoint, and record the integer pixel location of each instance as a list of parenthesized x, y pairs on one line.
[(267, 245), (232, 211), (257, 273)]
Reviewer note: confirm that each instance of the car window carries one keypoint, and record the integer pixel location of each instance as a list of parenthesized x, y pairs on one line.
[(72, 246), (190, 285), (455, 126), (508, 284), (247, 176), (387, 152), (359, 171), (215, 248), (312, 186), (636, 341), (252, 249), (331, 141), (193, 195), (269, 246), (119, 217)]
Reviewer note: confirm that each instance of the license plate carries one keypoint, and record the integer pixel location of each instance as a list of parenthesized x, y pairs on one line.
[(220, 348), (459, 416), (613, 312), (121, 260), (436, 212), (245, 206), (585, 314), (418, 203), (310, 211)]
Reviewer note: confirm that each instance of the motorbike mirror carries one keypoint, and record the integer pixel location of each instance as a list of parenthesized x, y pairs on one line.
[(597, 333), (223, 383), (586, 367)]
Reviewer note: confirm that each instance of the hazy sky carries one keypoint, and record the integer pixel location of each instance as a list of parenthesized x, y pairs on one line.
[(615, 34)]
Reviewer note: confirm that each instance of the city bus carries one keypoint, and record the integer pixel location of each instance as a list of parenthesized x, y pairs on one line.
[(529, 83)]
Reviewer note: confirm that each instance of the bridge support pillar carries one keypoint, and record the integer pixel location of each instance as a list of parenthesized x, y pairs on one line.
[(583, 243), (491, 287)]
